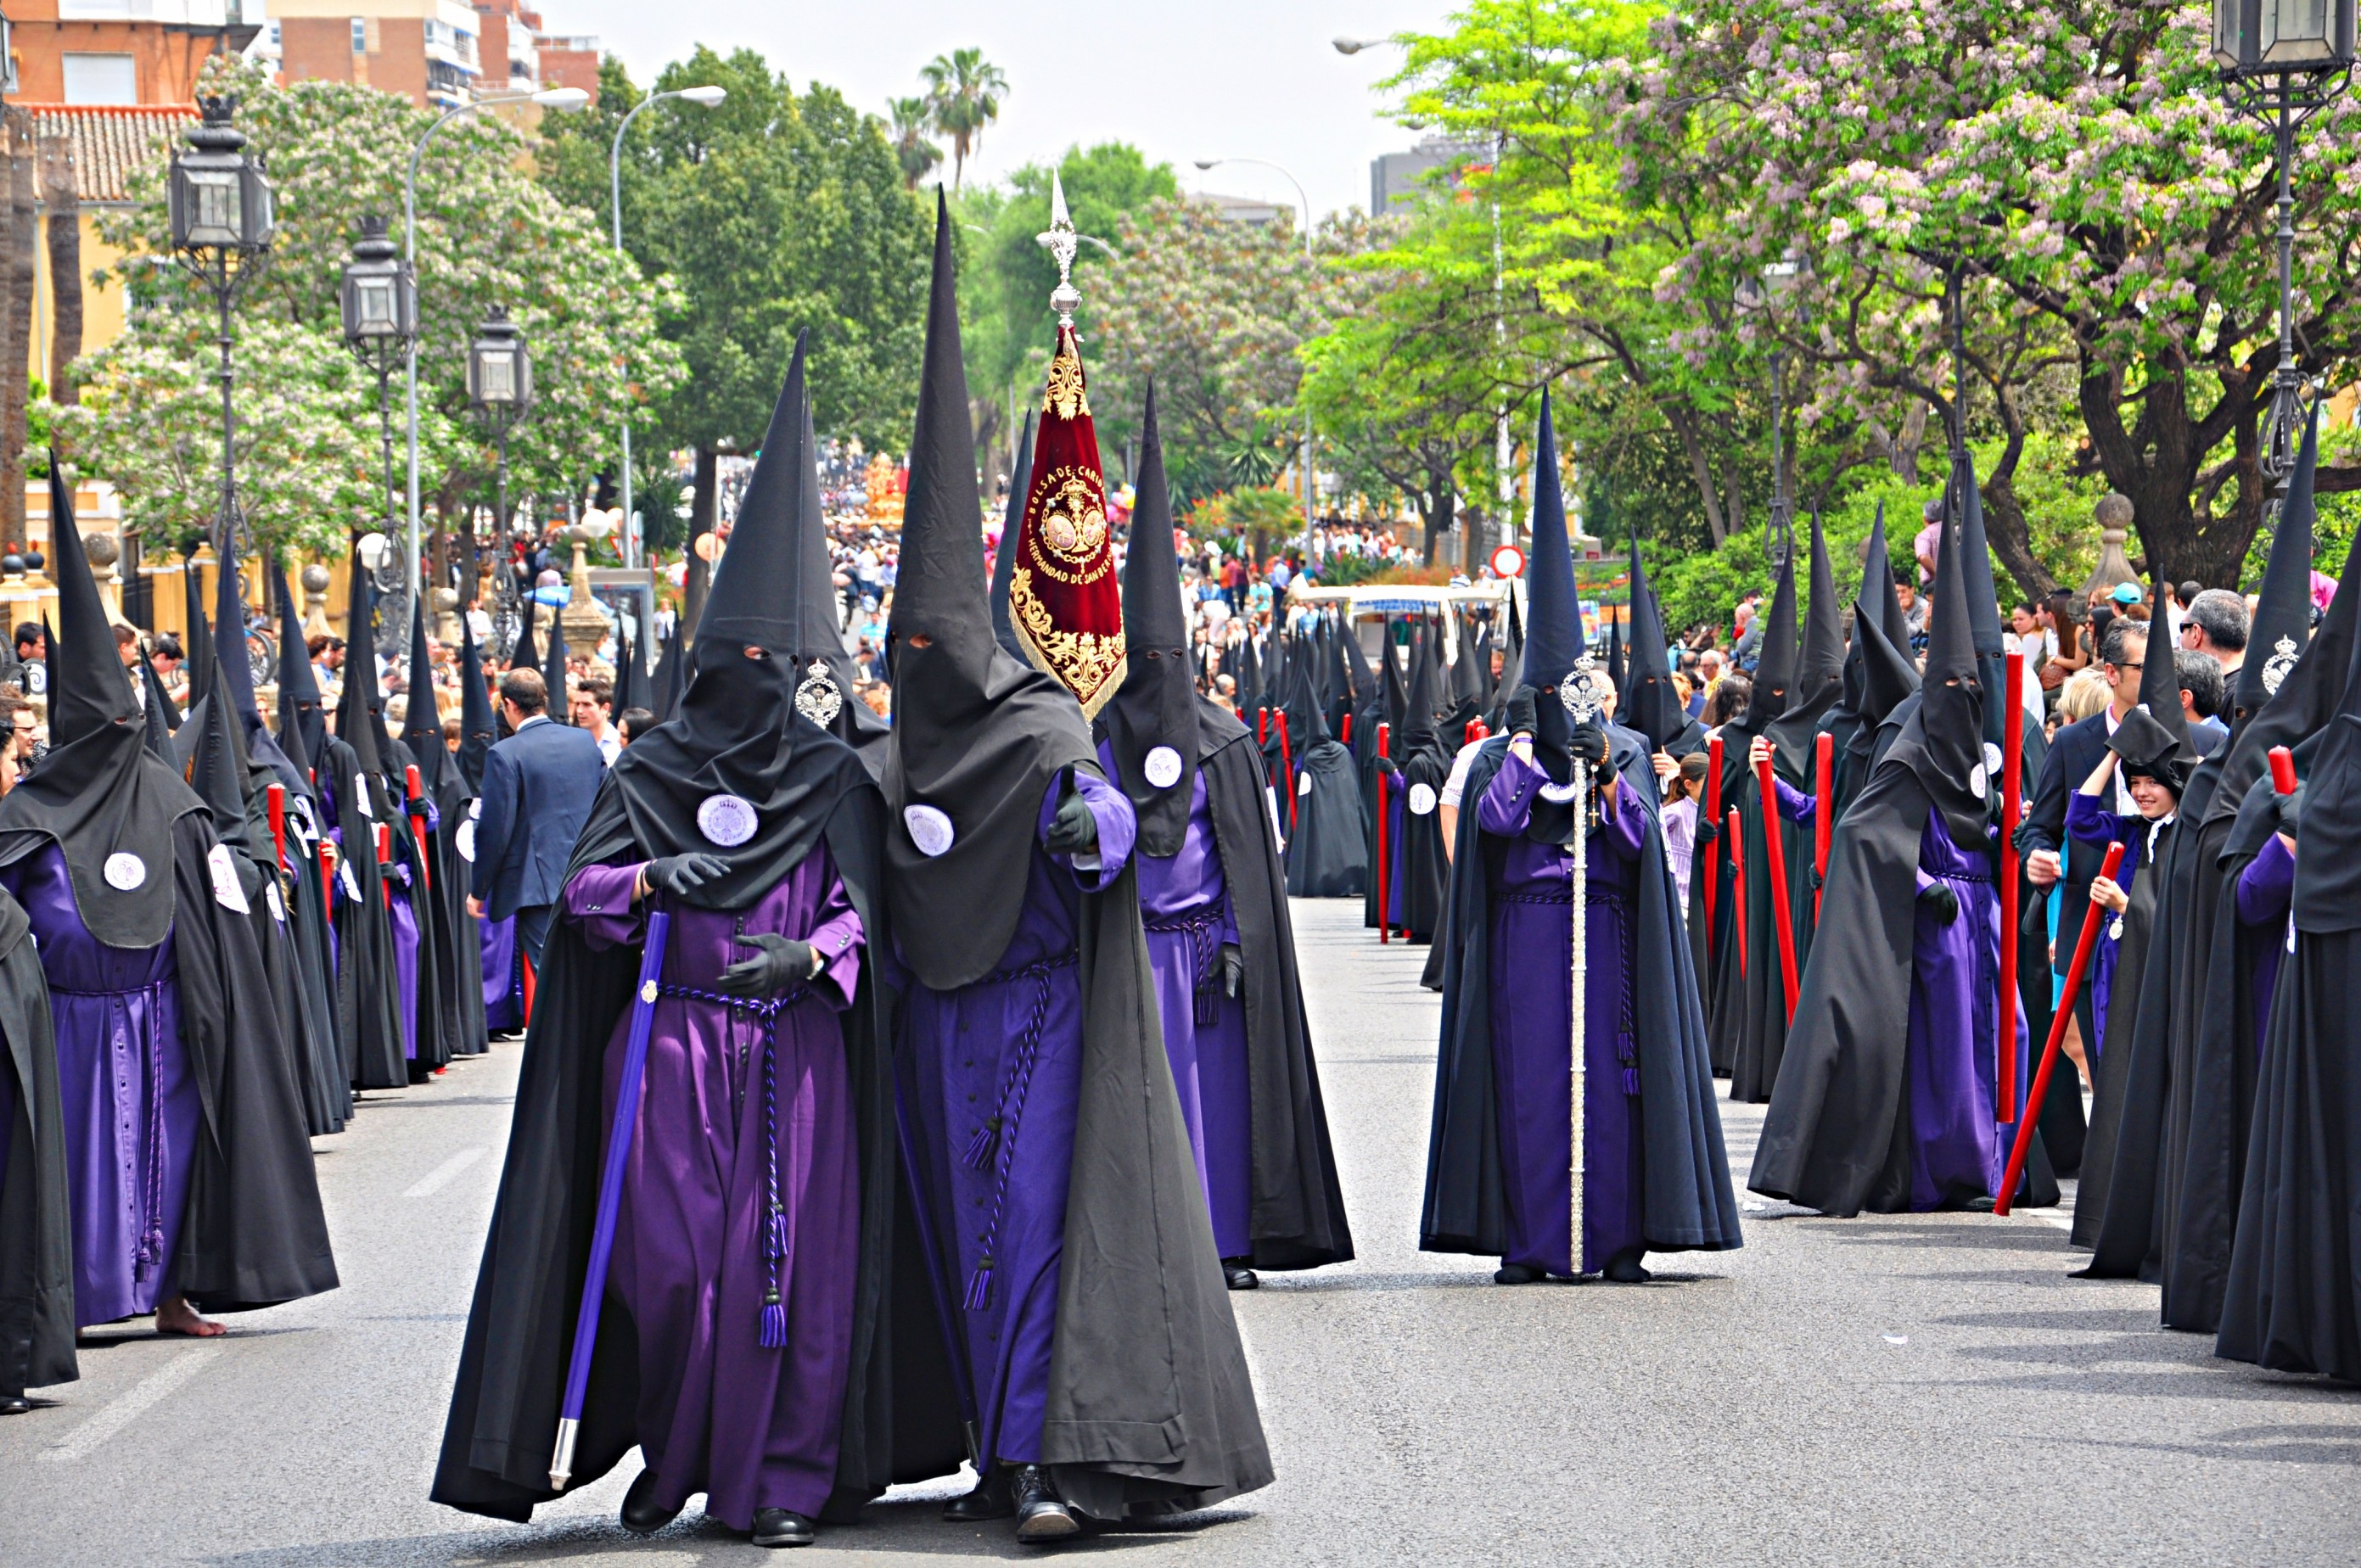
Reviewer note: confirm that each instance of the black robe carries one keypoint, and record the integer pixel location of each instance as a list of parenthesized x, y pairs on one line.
[(1297, 1211), (1687, 1199), (366, 1017), (1424, 867), (2112, 1071), (37, 1273), (1328, 856), (899, 1424)]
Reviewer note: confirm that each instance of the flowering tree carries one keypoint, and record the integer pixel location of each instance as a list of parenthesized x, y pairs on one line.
[(2075, 172), (487, 234)]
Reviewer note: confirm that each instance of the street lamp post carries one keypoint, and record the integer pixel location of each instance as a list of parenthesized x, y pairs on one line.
[(1307, 467), (548, 98), (1779, 523), (499, 389), (709, 97), (2283, 61), (378, 301), (220, 217)]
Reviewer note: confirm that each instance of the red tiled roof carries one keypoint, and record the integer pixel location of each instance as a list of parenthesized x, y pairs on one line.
[(109, 140)]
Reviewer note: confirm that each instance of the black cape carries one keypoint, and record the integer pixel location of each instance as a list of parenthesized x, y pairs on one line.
[(37, 1274), (503, 1416), (1328, 855), (1298, 1208), (1686, 1199)]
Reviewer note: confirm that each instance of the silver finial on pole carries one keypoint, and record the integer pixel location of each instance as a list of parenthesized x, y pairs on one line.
[(1062, 242), (1583, 690)]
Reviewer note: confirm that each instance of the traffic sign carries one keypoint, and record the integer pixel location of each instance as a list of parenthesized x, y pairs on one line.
[(1508, 561)]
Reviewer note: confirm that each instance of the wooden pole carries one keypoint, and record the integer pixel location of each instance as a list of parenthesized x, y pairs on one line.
[(2049, 1052)]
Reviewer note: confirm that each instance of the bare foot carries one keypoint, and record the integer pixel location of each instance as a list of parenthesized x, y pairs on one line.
[(175, 1316)]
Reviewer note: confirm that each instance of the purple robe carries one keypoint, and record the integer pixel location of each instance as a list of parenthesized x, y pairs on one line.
[(1956, 1148), (2266, 888), (1531, 984), (1007, 1049), (1185, 905), (751, 1428), (130, 1104), (404, 922), (2092, 823), (503, 982)]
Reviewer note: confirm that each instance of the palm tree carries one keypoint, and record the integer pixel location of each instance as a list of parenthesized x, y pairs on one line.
[(912, 118), (963, 94)]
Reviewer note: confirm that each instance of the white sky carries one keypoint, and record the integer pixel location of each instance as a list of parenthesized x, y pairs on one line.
[(1219, 78)]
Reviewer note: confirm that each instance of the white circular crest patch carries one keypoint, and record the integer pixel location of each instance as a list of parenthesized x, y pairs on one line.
[(125, 871), (1991, 757), (1303, 784), (466, 841), (929, 829), (1162, 766), (1978, 780), (726, 819), (1421, 799)]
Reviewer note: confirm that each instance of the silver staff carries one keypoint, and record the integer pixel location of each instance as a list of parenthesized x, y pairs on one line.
[(1584, 692)]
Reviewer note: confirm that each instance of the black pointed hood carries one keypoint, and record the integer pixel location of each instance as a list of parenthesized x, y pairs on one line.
[(753, 599), (303, 726), (670, 677), (631, 685), (1466, 679), (1818, 680), (526, 653), (825, 689), (2328, 847), (2283, 693), (217, 761), (360, 717), (1649, 704), (1151, 723), (2159, 689), (1004, 559), (553, 671), (421, 722), (1983, 603), (1425, 694), (100, 795), (232, 675), (1616, 672), (478, 727), (978, 736), (1943, 741), (1889, 675), (161, 717), (192, 593), (1774, 662), (1553, 632)]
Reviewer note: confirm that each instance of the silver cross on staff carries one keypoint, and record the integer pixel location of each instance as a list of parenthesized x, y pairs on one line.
[(1583, 690)]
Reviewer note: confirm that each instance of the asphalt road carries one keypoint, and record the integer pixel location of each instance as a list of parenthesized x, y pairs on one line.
[(1903, 1389)]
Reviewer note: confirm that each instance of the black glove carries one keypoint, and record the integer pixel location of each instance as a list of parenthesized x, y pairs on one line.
[(2290, 807), (1588, 744), (680, 874), (1234, 969), (1938, 897), (1074, 829), (1521, 714), (1707, 832), (783, 964)]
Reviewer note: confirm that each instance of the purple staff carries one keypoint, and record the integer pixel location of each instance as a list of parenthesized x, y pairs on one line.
[(610, 1194)]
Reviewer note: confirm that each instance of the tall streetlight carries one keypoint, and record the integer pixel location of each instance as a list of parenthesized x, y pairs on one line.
[(499, 389), (2283, 61), (378, 301), (1779, 523), (1203, 163), (708, 98), (548, 98), (222, 222)]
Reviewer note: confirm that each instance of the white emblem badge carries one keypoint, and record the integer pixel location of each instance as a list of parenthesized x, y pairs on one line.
[(125, 871), (227, 893), (1978, 780), (816, 698), (1303, 784), (351, 883), (929, 829), (361, 801), (1421, 799), (2283, 658), (270, 893), (466, 841), (1162, 766), (726, 819)]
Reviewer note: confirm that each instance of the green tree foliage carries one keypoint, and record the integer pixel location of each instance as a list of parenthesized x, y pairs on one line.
[(310, 466), (911, 122)]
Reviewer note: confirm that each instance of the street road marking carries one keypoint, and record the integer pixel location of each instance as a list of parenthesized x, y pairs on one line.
[(129, 1405), (435, 1180)]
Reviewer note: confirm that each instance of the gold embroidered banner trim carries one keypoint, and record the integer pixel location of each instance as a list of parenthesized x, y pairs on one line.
[(1090, 664)]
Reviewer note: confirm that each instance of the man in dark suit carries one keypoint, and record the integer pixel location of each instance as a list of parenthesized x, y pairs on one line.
[(2123, 653), (538, 785)]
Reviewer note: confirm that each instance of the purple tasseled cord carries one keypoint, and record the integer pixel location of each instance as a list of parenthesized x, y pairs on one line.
[(1203, 930), (778, 1239), (999, 1129)]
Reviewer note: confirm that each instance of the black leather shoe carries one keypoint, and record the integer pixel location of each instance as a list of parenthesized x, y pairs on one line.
[(1624, 1269), (1237, 1276), (783, 1527), (1517, 1274), (640, 1515), (1041, 1517), (990, 1500), (14, 1404)]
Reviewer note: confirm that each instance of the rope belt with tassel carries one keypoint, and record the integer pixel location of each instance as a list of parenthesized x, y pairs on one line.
[(998, 1133)]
